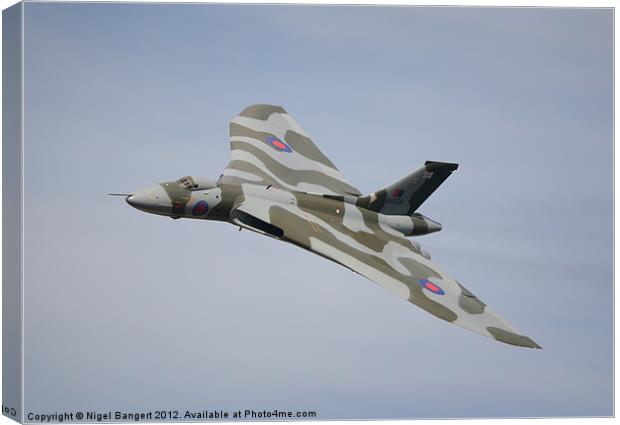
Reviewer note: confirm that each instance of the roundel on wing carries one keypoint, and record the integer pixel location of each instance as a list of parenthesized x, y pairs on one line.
[(278, 144), (200, 208), (432, 287)]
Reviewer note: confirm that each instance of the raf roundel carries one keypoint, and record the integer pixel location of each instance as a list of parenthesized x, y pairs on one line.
[(200, 208), (432, 287), (278, 144)]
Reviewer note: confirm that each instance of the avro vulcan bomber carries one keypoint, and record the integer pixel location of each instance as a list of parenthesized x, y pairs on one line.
[(279, 184)]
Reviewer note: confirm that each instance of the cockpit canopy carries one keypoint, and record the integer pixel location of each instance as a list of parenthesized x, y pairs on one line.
[(196, 183)]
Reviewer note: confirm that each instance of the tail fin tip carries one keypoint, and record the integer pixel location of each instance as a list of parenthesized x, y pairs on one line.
[(438, 165)]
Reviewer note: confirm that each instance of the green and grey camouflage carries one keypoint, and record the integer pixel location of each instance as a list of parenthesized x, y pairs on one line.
[(278, 183)]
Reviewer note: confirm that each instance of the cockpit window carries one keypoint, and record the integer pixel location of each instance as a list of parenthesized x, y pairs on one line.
[(187, 182), (196, 183)]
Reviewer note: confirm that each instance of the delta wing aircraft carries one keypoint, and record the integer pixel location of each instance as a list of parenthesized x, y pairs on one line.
[(279, 184)]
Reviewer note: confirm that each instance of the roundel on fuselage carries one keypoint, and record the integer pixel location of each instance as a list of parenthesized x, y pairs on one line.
[(200, 208)]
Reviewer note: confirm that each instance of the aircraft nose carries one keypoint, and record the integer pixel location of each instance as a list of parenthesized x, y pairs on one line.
[(134, 200), (150, 199)]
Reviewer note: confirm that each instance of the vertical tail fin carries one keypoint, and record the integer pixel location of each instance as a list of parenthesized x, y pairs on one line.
[(406, 195)]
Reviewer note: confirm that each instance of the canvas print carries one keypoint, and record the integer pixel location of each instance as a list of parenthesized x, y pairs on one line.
[(219, 212)]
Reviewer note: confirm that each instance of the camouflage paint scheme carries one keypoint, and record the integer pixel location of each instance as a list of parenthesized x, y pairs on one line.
[(279, 184)]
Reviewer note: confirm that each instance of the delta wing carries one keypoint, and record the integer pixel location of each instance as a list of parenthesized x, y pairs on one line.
[(355, 238), (267, 147)]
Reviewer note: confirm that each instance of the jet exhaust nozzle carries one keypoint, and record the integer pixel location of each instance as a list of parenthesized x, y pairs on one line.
[(423, 225)]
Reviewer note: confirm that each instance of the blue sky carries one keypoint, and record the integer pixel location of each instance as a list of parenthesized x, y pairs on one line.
[(130, 311)]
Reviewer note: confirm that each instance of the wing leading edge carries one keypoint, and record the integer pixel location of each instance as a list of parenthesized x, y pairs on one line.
[(355, 239)]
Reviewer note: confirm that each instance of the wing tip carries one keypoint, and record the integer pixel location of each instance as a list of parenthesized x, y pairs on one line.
[(529, 343), (261, 111), (512, 338)]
